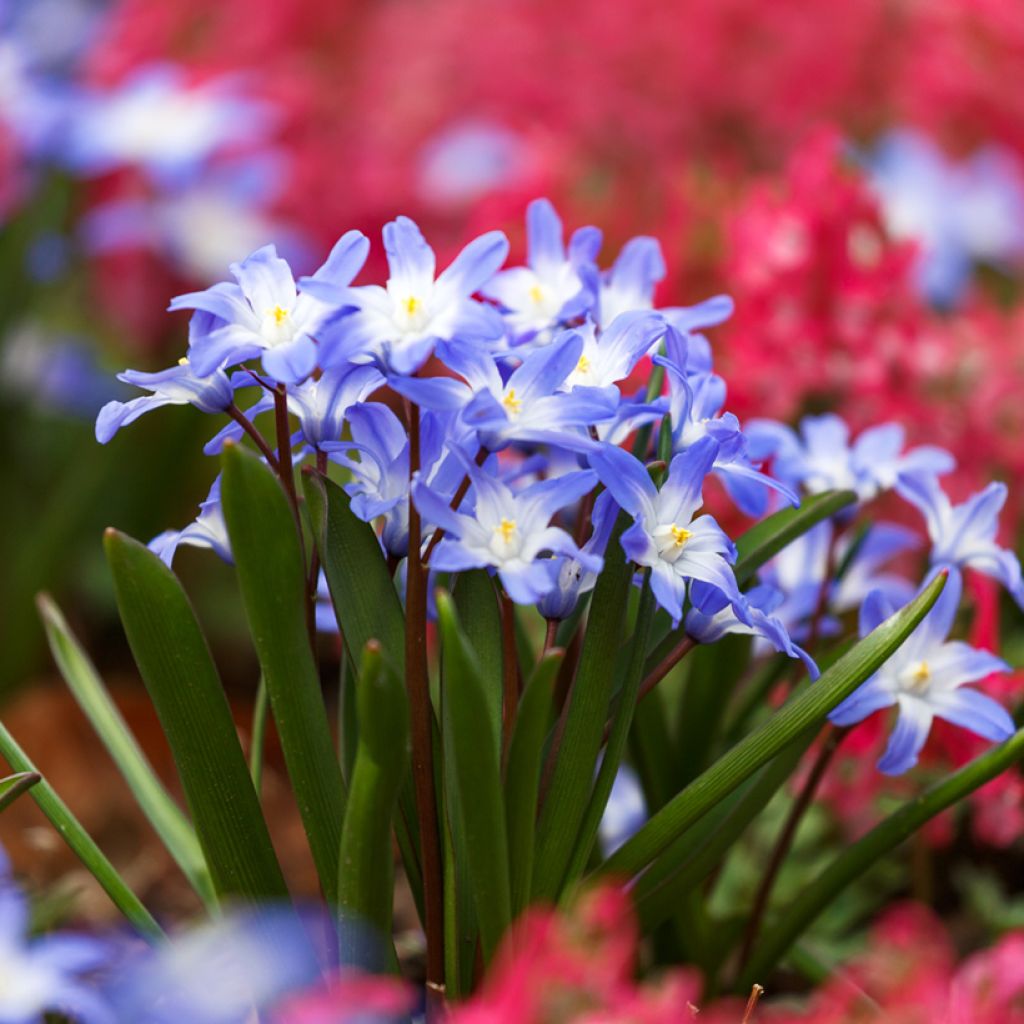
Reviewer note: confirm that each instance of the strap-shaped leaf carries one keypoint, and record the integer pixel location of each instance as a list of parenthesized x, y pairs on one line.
[(584, 720), (272, 577), (363, 593), (366, 871), (616, 746), (768, 537), (477, 766), (80, 842), (15, 785), (856, 859), (756, 749), (175, 664), (522, 776), (476, 604), (85, 684), (701, 850)]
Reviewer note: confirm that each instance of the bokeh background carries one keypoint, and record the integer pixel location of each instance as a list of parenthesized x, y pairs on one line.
[(850, 171)]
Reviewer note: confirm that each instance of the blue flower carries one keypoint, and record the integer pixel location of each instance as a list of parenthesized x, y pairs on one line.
[(508, 532), (665, 537), (695, 409), (926, 679), (822, 458), (530, 406), (51, 974), (179, 385), (711, 616), (399, 326), (630, 283), (964, 536), (552, 288), (208, 530), (322, 404), (625, 811), (156, 121), (610, 355), (576, 576), (957, 212), (264, 314)]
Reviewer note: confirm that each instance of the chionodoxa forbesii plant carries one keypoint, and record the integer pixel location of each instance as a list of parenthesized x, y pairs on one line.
[(511, 546)]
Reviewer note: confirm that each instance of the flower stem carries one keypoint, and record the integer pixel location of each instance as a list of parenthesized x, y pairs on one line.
[(421, 716), (481, 457), (666, 665), (509, 674), (785, 841), (261, 442)]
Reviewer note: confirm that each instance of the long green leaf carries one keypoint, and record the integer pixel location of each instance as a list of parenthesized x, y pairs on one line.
[(584, 720), (15, 785), (756, 749), (701, 850), (366, 879), (522, 776), (364, 595), (856, 859), (768, 537), (156, 803), (616, 745), (476, 603), (271, 574), (477, 766), (80, 842), (175, 664)]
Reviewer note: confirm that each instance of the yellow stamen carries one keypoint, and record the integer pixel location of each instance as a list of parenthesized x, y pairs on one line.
[(183, 361), (506, 529), (583, 366), (680, 535), (921, 674), (511, 403), (412, 305), (536, 294), (280, 314)]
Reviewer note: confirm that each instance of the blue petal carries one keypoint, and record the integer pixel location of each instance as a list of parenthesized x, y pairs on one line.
[(475, 265), (115, 415), (291, 363), (912, 728), (544, 245), (626, 478), (410, 260), (345, 261), (977, 712)]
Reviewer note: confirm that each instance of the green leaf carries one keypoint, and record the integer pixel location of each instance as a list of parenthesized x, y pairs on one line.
[(702, 849), (768, 537), (175, 664), (797, 714), (616, 745), (366, 875), (80, 842), (522, 776), (85, 684), (272, 577), (476, 603), (14, 785), (584, 720), (363, 593), (477, 765), (856, 859), (258, 735)]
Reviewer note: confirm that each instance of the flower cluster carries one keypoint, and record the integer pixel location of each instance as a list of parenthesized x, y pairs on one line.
[(520, 444)]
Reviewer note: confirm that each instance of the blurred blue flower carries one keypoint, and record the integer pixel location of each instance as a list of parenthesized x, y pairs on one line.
[(665, 537), (821, 456), (926, 679), (625, 811), (959, 212), (51, 974)]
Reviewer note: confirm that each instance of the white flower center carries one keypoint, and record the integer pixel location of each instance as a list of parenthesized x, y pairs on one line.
[(916, 677), (412, 314), (506, 539), (278, 327), (670, 539)]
